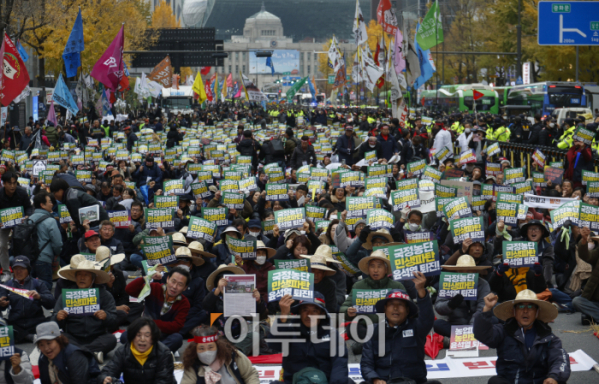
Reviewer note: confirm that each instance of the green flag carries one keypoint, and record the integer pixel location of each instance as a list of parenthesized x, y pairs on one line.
[(430, 32), (296, 87)]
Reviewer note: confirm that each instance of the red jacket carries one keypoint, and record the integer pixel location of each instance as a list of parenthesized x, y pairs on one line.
[(261, 276), (172, 321)]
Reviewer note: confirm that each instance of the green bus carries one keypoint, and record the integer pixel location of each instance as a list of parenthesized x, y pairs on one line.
[(453, 98), (503, 92)]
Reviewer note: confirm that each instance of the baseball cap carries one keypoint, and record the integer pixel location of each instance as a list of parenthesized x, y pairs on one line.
[(21, 261), (46, 331), (90, 233)]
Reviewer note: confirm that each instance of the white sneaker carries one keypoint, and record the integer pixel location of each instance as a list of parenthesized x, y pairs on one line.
[(6, 277), (99, 357)]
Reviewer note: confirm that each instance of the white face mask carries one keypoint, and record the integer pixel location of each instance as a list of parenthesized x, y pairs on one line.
[(372, 145), (207, 357), (333, 217), (591, 246), (255, 234), (414, 227), (467, 131), (260, 260)]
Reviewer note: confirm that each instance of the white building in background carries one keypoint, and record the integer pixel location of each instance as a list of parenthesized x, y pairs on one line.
[(264, 31)]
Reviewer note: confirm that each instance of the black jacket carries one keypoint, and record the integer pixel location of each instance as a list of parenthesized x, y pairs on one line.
[(19, 199), (25, 312), (328, 288), (249, 147), (158, 368), (300, 156), (75, 199), (75, 366), (268, 154)]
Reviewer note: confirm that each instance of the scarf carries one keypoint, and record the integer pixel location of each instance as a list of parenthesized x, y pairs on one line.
[(141, 356), (211, 374), (168, 301), (518, 278)]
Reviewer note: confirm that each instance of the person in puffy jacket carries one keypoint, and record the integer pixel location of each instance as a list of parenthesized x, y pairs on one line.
[(249, 147), (149, 169), (142, 358), (303, 155), (74, 199), (406, 327), (527, 350)]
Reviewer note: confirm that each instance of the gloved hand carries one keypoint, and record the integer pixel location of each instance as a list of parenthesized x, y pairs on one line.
[(364, 234), (349, 151), (405, 211), (538, 269), (502, 268), (456, 301)]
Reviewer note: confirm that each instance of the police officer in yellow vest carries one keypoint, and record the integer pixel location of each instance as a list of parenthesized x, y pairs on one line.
[(501, 133), (566, 140), (457, 126)]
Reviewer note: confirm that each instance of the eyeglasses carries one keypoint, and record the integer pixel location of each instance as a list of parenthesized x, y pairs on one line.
[(526, 306)]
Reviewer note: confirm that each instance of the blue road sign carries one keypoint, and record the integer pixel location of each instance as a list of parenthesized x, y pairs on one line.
[(568, 23)]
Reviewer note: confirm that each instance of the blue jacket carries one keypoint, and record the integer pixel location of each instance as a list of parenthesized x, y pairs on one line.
[(404, 347), (303, 353), (154, 172), (344, 144), (47, 230), (546, 358), (388, 147), (75, 365), (24, 312)]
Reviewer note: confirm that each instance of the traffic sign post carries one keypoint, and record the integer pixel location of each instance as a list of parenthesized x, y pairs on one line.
[(568, 23)]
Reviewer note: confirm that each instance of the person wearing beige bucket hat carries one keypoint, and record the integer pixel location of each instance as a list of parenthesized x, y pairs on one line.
[(362, 246), (527, 349), (91, 332), (323, 274), (457, 310), (339, 277), (201, 259), (260, 267)]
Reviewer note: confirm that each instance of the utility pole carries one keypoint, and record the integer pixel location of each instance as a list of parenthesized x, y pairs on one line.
[(519, 43)]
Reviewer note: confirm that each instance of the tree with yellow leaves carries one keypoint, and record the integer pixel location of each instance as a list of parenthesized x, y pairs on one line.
[(163, 17)]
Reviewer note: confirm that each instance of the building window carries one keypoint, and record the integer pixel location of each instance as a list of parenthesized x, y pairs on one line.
[(237, 56), (230, 66), (243, 57), (309, 55), (243, 70), (308, 69), (301, 56), (237, 69)]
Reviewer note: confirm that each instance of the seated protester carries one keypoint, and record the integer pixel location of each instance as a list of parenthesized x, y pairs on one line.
[(506, 282), (259, 267), (458, 310), (323, 281), (62, 282), (338, 199), (300, 197), (479, 252), (113, 204), (142, 358), (254, 227), (362, 246), (527, 349), (245, 213), (339, 277), (212, 359), (287, 250), (139, 256), (588, 302), (25, 314), (341, 238), (213, 303), (183, 213), (221, 249), (17, 369), (89, 332), (303, 352), (377, 268), (536, 231), (414, 220), (199, 256), (126, 235), (195, 292), (406, 326), (166, 305), (61, 361)]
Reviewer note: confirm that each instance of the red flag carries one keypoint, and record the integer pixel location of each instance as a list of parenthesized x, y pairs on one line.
[(124, 84), (385, 16), (205, 70), (14, 73), (381, 80), (109, 69), (208, 90), (476, 94)]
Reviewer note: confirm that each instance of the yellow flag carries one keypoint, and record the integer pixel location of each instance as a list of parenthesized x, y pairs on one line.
[(198, 88)]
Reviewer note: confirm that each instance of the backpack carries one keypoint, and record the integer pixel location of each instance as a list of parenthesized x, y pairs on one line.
[(278, 148), (25, 240), (310, 375)]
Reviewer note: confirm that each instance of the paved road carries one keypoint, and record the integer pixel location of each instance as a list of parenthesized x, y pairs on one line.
[(571, 342)]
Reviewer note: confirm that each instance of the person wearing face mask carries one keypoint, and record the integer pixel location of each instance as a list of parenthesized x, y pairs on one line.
[(502, 133), (410, 220), (371, 145), (442, 138), (260, 268), (465, 137), (535, 131), (323, 274), (254, 230), (481, 253), (548, 134), (211, 359)]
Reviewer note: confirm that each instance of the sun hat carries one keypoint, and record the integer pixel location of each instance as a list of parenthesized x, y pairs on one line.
[(376, 255), (269, 251), (86, 266), (546, 312), (380, 233), (179, 239), (184, 230), (75, 260), (222, 269), (324, 251), (466, 262), (103, 253), (196, 247), (183, 253), (46, 331), (397, 294), (229, 229), (290, 232), (320, 262)]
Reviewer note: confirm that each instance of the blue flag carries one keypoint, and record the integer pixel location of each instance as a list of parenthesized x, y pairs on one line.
[(72, 51), (22, 52), (312, 90), (62, 96), (426, 66), (271, 65), (235, 89), (105, 105)]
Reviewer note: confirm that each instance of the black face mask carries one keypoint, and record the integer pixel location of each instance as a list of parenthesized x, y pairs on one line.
[(476, 192), (492, 214)]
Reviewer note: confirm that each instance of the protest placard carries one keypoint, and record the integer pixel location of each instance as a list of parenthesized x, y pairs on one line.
[(233, 200), (214, 169), (194, 168), (158, 250), (462, 338), (555, 175), (589, 216), (568, 212), (290, 218), (321, 174), (520, 253), (452, 284), (267, 227), (248, 184), (376, 192), (281, 282), (493, 149), (416, 167), (538, 158), (166, 202), (440, 202), (467, 157), (174, 187), (510, 213), (443, 154), (452, 173), (513, 175), (244, 159), (384, 170), (275, 176), (404, 198), (7, 343), (509, 198), (120, 219), (11, 216), (432, 174), (426, 185), (402, 185), (493, 169), (217, 216), (246, 249), (589, 176), (465, 188), (159, 218), (199, 228), (584, 135), (468, 228), (522, 188), (417, 237), (379, 218), (359, 206), (316, 186), (375, 182), (487, 192), (370, 157), (200, 190), (277, 192), (81, 302), (457, 208), (302, 265), (46, 177), (315, 212), (63, 212), (419, 257), (364, 300), (538, 179), (444, 191), (345, 265), (351, 179), (229, 185)]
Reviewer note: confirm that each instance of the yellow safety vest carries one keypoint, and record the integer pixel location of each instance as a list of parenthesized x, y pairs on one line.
[(566, 141), (502, 134)]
